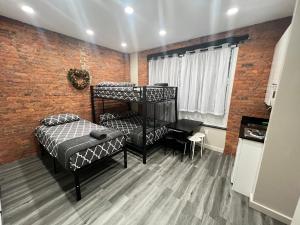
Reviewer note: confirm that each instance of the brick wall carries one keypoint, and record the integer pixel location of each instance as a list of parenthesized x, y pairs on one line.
[(33, 83), (252, 72)]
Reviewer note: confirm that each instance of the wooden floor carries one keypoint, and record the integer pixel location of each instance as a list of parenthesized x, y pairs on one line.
[(165, 191)]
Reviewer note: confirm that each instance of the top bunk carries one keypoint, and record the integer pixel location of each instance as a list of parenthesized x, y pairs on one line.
[(128, 92)]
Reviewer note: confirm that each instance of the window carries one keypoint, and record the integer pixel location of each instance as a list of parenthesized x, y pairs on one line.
[(204, 80)]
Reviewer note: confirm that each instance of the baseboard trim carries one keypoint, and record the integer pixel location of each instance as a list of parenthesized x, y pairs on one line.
[(214, 148), (270, 212)]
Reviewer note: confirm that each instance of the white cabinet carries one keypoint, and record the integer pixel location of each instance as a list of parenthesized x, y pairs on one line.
[(277, 66), (246, 166)]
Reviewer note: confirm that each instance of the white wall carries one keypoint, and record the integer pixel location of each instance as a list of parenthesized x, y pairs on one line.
[(215, 138), (134, 75), (134, 68), (278, 185), (296, 218)]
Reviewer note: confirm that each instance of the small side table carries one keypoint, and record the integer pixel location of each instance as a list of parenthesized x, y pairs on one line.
[(198, 137)]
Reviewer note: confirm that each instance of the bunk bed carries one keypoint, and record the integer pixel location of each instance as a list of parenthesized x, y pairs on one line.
[(143, 131)]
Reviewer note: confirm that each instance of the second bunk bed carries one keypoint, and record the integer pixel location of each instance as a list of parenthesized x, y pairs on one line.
[(143, 128)]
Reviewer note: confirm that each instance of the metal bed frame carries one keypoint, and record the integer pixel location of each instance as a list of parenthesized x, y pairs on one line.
[(76, 173), (141, 151)]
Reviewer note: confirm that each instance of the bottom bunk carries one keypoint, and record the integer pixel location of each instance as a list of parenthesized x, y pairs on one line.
[(131, 124)]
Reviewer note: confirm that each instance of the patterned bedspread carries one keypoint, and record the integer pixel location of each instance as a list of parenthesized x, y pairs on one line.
[(135, 94), (133, 129), (51, 137)]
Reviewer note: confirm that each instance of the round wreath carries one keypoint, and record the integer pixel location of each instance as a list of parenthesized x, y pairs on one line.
[(80, 79)]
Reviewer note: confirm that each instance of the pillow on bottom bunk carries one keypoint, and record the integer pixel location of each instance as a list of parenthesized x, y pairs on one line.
[(115, 116)]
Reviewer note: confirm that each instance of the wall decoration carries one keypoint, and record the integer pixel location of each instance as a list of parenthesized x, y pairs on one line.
[(79, 78)]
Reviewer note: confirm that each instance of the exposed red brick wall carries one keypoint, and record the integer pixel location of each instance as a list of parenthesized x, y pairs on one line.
[(252, 72), (33, 83)]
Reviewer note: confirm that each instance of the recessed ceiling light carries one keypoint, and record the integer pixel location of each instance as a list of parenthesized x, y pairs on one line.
[(232, 11), (124, 44), (89, 32), (27, 9), (128, 10), (162, 32)]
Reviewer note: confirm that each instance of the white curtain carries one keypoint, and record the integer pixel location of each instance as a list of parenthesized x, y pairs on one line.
[(204, 81), (210, 119), (165, 70), (205, 75)]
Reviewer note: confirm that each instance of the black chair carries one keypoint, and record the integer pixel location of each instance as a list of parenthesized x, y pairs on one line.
[(174, 139)]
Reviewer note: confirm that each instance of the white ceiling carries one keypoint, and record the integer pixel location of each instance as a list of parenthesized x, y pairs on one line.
[(182, 19)]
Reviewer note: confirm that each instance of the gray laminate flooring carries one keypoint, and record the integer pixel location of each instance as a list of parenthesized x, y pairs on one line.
[(165, 191)]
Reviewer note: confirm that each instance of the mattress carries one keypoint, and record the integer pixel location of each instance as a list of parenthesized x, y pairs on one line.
[(51, 136), (133, 129), (135, 94)]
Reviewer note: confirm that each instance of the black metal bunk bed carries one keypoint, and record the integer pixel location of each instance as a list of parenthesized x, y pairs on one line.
[(143, 96)]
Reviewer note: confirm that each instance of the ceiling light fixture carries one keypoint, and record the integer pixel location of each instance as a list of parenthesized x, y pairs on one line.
[(89, 32), (129, 10), (27, 9), (162, 32), (124, 45), (232, 11)]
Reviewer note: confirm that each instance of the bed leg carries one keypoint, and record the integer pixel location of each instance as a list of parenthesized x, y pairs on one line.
[(144, 158), (42, 149), (125, 158), (165, 145), (77, 186), (54, 165)]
